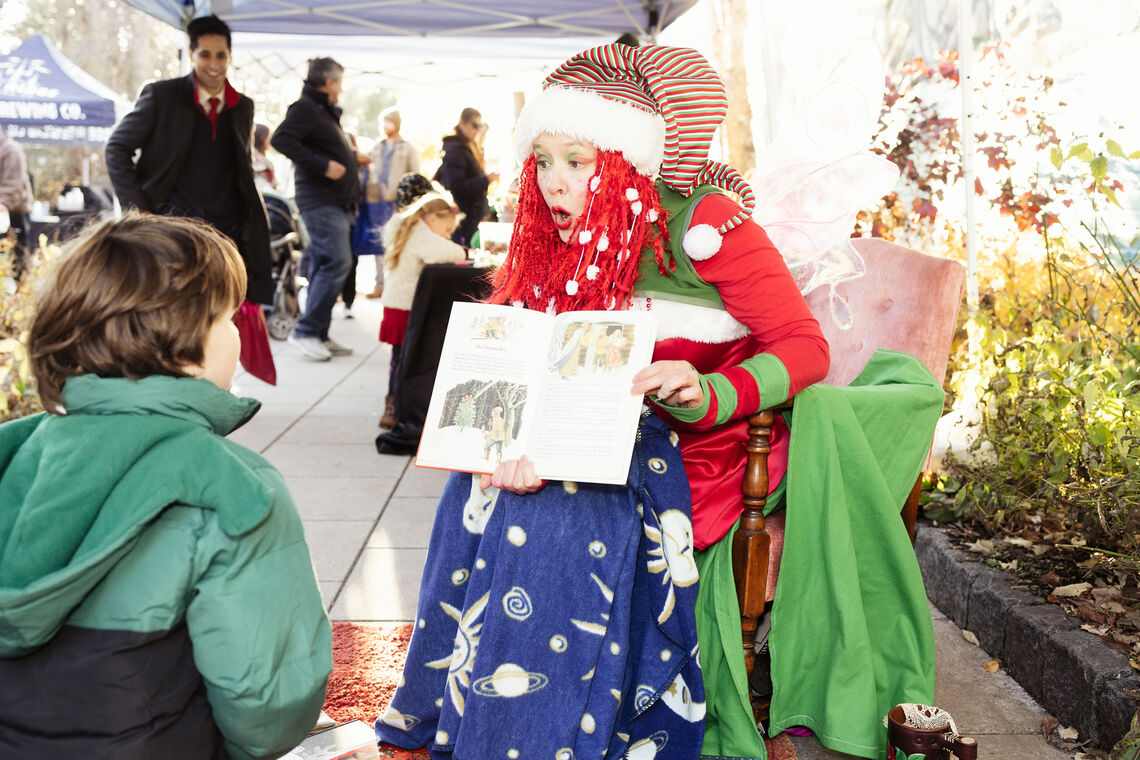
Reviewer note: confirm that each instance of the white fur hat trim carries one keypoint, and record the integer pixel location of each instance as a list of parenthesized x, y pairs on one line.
[(579, 113), (701, 242)]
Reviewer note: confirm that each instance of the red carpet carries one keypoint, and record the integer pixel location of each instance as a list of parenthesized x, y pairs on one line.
[(367, 660)]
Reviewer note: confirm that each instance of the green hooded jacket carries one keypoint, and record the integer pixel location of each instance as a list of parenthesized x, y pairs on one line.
[(157, 598)]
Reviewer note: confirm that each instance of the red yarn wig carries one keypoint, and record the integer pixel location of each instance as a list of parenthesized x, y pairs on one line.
[(624, 221)]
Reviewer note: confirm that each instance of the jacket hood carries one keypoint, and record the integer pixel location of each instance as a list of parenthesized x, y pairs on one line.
[(77, 490)]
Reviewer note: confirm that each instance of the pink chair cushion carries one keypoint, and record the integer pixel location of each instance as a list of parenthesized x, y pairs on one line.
[(907, 301)]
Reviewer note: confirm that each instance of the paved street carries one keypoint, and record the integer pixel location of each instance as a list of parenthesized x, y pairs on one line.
[(367, 518)]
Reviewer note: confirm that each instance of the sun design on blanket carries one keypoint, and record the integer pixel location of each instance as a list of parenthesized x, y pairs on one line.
[(462, 658), (673, 557)]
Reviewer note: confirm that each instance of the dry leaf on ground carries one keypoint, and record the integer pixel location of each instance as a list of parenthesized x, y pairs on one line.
[(992, 666), (1048, 724), (970, 637), (1073, 589)]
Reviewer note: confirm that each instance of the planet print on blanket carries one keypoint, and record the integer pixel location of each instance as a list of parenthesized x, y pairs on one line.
[(509, 680)]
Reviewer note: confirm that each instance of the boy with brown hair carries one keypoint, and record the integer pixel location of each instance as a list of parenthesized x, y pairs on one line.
[(157, 598)]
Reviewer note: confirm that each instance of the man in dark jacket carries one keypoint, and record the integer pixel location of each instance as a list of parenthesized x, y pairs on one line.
[(327, 192), (461, 172), (194, 134)]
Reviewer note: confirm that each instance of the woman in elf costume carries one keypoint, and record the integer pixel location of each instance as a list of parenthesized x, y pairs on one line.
[(560, 620)]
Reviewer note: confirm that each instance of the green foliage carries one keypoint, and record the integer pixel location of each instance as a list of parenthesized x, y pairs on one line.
[(1059, 433)]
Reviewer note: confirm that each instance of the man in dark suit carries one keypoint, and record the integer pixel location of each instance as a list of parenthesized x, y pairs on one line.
[(193, 134)]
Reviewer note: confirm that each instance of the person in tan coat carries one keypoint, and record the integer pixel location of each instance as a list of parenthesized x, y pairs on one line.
[(392, 158), (16, 194)]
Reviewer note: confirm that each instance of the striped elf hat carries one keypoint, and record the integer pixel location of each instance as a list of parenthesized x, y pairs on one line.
[(659, 106)]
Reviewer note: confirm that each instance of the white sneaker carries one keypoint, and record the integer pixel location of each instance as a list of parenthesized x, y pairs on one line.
[(334, 348), (348, 312), (311, 347)]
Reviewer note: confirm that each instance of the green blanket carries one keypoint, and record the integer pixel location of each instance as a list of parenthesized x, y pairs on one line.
[(851, 629)]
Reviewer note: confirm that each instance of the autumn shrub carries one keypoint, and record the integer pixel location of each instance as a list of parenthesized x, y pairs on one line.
[(17, 398), (1051, 356)]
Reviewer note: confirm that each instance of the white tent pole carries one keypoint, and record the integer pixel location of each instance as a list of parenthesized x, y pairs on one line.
[(969, 148)]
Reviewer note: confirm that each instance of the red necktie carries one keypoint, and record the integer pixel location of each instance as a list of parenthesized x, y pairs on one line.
[(213, 117)]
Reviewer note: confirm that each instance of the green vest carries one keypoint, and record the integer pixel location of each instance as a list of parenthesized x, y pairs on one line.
[(683, 284)]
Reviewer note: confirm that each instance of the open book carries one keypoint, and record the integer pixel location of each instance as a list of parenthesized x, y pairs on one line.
[(354, 740), (554, 387)]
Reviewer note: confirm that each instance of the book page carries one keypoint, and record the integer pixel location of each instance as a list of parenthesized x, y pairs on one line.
[(486, 388), (354, 740), (587, 422)]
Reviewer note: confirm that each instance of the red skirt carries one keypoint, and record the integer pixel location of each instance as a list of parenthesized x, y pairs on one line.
[(393, 323)]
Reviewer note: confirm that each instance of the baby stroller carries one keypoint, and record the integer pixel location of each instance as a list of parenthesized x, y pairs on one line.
[(288, 238)]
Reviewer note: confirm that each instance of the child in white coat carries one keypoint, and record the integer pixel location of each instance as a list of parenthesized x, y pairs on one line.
[(418, 234)]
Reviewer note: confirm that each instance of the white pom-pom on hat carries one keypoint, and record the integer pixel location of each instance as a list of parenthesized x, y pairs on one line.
[(571, 287), (592, 272), (594, 182), (635, 207), (603, 242), (584, 236), (652, 215), (701, 242), (631, 193)]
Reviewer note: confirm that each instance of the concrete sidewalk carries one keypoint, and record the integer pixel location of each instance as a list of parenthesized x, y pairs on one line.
[(367, 518)]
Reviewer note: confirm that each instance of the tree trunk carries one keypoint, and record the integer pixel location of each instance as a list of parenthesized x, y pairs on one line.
[(730, 23)]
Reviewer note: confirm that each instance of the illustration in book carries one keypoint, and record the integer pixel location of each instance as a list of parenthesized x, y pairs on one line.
[(482, 416)]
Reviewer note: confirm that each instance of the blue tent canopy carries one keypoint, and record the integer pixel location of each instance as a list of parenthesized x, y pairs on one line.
[(44, 97), (603, 19)]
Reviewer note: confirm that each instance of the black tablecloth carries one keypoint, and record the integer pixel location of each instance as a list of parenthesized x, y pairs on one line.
[(440, 285), (70, 222)]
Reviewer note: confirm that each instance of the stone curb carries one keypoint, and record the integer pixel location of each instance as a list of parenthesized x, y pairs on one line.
[(1074, 675)]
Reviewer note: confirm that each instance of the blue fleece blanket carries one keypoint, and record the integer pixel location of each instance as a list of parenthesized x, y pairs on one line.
[(558, 624)]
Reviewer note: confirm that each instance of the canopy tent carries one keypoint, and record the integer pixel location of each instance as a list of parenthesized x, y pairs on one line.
[(418, 18), (44, 97)]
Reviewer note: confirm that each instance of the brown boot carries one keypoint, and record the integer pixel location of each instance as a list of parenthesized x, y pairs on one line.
[(376, 293), (388, 418)]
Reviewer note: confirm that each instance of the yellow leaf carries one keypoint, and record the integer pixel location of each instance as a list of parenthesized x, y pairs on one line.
[(1110, 194), (971, 638), (1056, 156), (1099, 167), (1081, 151), (992, 666), (1114, 148)]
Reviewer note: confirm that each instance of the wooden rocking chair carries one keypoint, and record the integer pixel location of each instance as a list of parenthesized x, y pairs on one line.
[(907, 302)]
